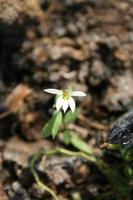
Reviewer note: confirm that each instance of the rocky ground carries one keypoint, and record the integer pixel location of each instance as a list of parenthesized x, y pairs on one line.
[(86, 44)]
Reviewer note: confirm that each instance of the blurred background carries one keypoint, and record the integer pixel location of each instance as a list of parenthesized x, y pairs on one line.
[(85, 44)]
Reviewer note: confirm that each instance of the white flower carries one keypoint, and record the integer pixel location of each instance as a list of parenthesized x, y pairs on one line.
[(64, 98)]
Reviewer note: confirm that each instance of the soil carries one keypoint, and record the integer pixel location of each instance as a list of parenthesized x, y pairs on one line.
[(85, 44)]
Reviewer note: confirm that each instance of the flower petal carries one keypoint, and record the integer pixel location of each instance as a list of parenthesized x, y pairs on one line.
[(59, 103), (53, 91), (65, 105), (78, 94), (71, 104)]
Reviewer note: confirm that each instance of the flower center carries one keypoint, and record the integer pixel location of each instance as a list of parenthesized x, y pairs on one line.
[(66, 95)]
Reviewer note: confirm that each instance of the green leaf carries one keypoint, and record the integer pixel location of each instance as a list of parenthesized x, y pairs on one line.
[(67, 137), (46, 131), (71, 116), (128, 170), (56, 123), (77, 142), (127, 154), (52, 127)]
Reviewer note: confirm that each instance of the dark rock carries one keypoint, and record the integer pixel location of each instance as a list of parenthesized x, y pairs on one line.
[(122, 131)]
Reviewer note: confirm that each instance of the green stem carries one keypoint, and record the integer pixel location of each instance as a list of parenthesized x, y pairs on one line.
[(116, 180), (69, 153), (50, 153), (40, 184)]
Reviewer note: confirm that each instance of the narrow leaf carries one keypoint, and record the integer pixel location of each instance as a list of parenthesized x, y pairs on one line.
[(56, 123), (52, 127), (67, 137), (77, 142), (46, 131), (70, 117)]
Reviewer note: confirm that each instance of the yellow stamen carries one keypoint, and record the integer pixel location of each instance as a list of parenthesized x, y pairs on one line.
[(66, 95)]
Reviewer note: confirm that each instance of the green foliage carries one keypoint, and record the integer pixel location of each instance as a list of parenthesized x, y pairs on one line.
[(71, 116), (56, 123), (52, 127), (80, 144), (127, 154), (72, 138), (46, 131), (67, 137), (119, 184), (128, 170)]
